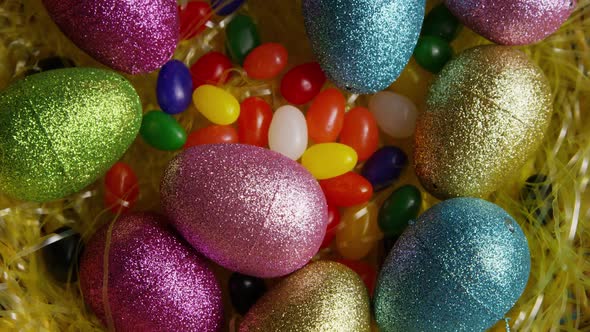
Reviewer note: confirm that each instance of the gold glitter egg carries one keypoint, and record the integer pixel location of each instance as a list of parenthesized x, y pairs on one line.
[(486, 114), (62, 129), (322, 296)]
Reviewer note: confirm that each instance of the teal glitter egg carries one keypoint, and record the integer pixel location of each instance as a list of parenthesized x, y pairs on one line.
[(460, 267), (62, 129), (363, 45)]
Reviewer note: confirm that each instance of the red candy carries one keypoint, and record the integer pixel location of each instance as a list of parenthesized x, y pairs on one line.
[(121, 189), (348, 189), (325, 116), (333, 222), (367, 273), (302, 83), (266, 61), (360, 132), (211, 68), (254, 121), (212, 134), (193, 18)]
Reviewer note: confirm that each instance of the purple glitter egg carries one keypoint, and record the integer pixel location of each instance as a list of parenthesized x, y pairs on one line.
[(249, 209), (156, 281), (133, 36), (512, 22)]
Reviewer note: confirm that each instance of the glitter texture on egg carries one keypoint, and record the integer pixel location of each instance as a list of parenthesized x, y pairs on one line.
[(156, 281), (460, 267), (248, 209), (486, 114), (60, 130), (512, 22), (133, 36), (322, 296)]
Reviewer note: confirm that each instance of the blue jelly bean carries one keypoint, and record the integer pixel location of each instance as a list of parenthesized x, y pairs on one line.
[(174, 87), (384, 167), (226, 7)]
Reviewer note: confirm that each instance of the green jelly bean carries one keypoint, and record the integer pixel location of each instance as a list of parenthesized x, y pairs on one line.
[(398, 209), (432, 53), (442, 23), (162, 131), (241, 37)]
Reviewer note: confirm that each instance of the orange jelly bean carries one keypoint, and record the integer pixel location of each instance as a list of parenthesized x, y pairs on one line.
[(360, 132), (212, 134), (266, 61), (358, 232), (325, 116), (121, 188), (254, 121), (348, 189)]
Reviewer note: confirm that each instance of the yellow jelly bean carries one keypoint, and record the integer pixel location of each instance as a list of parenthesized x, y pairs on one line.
[(329, 160), (358, 231), (217, 105)]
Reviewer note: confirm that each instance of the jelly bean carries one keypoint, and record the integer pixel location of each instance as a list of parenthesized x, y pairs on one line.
[(384, 167), (366, 271), (266, 61), (287, 133), (174, 87), (432, 53), (193, 18), (360, 132), (348, 189), (226, 7), (333, 222), (212, 68), (244, 291), (328, 160), (398, 209), (62, 256), (217, 105), (442, 23), (325, 116), (537, 198), (121, 188), (358, 232), (241, 37), (162, 131), (254, 121), (395, 114), (213, 134), (302, 83)]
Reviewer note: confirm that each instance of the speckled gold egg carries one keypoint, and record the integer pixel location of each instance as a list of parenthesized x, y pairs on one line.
[(322, 296), (486, 114)]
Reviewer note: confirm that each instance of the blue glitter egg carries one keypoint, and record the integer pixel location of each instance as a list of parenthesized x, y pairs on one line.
[(363, 45), (460, 267)]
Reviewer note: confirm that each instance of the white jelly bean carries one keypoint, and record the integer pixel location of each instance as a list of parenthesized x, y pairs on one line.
[(288, 132), (395, 114)]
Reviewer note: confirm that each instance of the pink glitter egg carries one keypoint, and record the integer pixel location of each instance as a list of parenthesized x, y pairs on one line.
[(249, 209), (133, 36), (512, 22), (156, 281)]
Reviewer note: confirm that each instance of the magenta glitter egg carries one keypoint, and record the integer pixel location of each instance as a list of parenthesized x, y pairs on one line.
[(156, 281), (133, 36), (249, 209), (512, 22)]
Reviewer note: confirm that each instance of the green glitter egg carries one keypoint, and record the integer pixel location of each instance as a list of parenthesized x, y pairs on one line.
[(60, 130)]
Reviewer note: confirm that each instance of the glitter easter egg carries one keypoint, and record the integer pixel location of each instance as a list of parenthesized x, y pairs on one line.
[(460, 267), (486, 115), (512, 22), (323, 296), (155, 281), (133, 36), (62, 129), (248, 209), (363, 45)]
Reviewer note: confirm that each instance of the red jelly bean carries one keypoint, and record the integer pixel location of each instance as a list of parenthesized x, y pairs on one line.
[(367, 272), (254, 121), (325, 116), (266, 61), (360, 132), (333, 222), (121, 189), (348, 189), (212, 68), (302, 83), (193, 18), (212, 134)]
